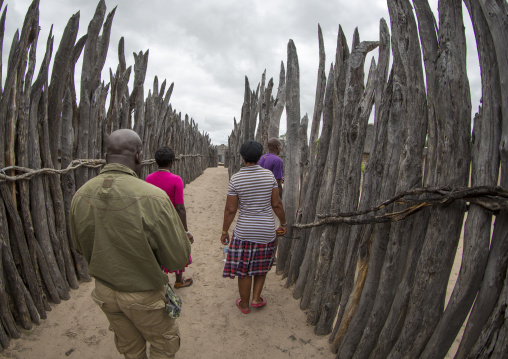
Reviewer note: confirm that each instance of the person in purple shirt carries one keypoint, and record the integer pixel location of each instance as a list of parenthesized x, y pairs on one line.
[(271, 161)]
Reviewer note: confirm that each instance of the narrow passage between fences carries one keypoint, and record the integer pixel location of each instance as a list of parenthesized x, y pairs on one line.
[(211, 326)]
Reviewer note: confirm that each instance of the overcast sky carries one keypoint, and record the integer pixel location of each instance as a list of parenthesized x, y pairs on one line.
[(208, 47)]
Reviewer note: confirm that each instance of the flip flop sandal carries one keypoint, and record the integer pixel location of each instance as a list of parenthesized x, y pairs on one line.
[(258, 305), (244, 311), (185, 283)]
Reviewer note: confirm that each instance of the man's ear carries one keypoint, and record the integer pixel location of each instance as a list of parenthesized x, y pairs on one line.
[(139, 157)]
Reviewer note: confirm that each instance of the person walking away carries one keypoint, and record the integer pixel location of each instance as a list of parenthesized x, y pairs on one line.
[(126, 229), (271, 161), (173, 185), (255, 193)]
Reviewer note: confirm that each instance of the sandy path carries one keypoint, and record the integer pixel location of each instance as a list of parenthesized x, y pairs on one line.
[(211, 326)]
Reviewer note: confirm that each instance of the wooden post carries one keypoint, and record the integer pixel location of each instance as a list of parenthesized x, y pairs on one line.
[(453, 141), (293, 156)]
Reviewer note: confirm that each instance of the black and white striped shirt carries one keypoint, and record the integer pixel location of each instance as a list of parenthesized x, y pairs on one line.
[(253, 185)]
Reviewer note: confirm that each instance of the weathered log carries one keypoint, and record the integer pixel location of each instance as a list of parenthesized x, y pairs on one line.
[(58, 225), (2, 31), (484, 171), (57, 287), (6, 317), (347, 314), (318, 102), (410, 104), (76, 53), (441, 239), (292, 160), (119, 90), (11, 274), (32, 310), (496, 18), (299, 247), (25, 244), (17, 58), (68, 182), (266, 110), (90, 79), (59, 76), (493, 341), (255, 99), (373, 173), (367, 260), (314, 185), (45, 154), (4, 339), (136, 98), (393, 324), (259, 110), (317, 281), (245, 116), (357, 105), (373, 253), (278, 104), (11, 96)]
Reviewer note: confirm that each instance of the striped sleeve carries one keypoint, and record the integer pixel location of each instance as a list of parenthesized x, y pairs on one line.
[(231, 188)]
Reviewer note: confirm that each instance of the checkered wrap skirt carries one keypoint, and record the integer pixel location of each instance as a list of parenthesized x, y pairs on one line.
[(247, 259)]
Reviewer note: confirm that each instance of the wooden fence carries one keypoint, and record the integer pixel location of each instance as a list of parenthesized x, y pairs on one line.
[(370, 259), (52, 145)]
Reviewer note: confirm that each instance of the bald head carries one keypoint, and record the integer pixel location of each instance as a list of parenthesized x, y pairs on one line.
[(274, 145), (124, 147)]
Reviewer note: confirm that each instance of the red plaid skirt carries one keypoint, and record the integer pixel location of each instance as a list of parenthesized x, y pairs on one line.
[(247, 259)]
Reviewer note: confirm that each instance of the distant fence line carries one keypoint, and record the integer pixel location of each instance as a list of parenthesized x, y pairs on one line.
[(378, 289), (43, 129)]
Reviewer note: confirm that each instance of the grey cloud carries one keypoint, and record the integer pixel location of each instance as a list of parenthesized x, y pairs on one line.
[(208, 47)]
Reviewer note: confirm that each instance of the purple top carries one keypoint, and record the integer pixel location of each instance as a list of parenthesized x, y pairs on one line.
[(273, 163)]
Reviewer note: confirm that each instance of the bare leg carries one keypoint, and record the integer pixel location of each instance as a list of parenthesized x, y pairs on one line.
[(274, 263), (179, 277), (181, 282), (259, 281), (244, 285)]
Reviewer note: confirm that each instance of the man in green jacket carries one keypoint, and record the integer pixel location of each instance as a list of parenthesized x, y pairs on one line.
[(126, 229)]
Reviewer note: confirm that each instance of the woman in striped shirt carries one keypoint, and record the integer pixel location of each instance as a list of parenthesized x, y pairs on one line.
[(254, 192)]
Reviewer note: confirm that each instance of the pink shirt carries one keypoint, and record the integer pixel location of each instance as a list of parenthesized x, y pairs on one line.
[(172, 184)]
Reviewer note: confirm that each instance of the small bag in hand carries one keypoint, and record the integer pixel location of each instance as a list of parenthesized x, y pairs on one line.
[(173, 302)]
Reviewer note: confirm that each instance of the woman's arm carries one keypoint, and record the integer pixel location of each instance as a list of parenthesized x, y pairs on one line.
[(229, 216), (180, 209), (279, 211), (182, 213)]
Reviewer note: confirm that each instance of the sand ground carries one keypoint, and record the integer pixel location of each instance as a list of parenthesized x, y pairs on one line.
[(211, 326)]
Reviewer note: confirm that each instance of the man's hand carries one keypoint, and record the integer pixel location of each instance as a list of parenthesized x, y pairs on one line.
[(191, 237)]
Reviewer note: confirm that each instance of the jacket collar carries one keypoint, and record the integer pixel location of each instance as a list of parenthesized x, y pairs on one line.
[(117, 167)]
